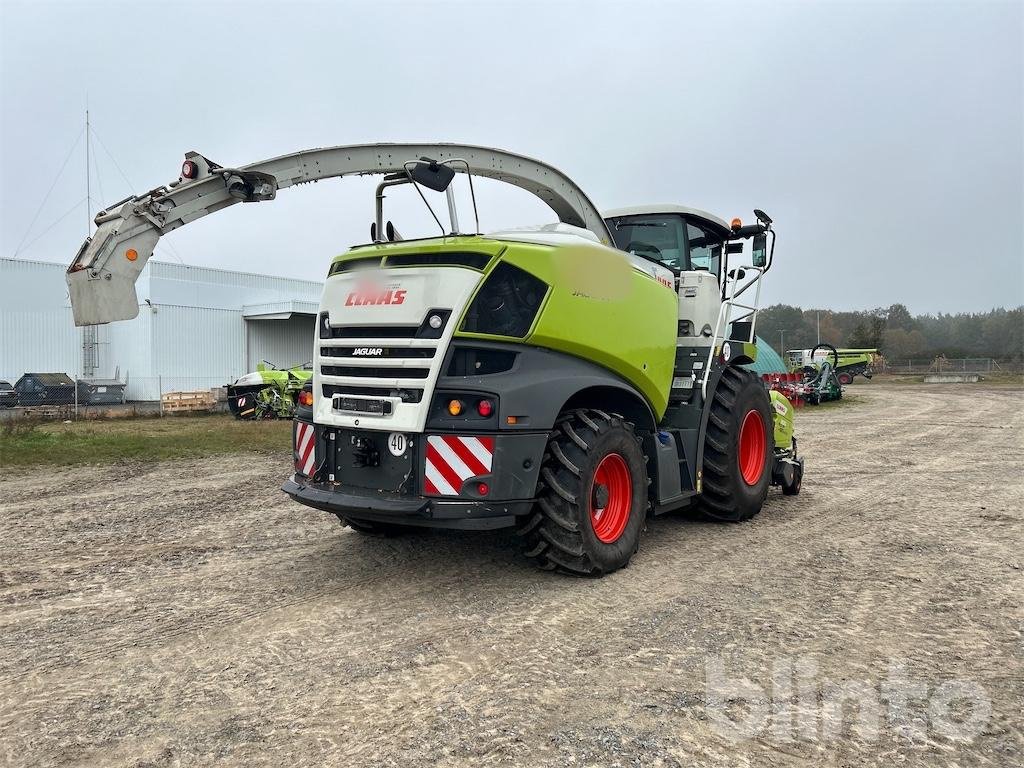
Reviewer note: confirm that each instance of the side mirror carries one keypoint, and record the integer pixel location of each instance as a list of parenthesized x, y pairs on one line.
[(760, 250), (432, 174)]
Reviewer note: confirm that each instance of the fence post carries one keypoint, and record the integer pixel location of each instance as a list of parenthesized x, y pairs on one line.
[(160, 392), (76, 398)]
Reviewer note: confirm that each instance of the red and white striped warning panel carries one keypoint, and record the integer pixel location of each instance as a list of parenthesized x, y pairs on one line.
[(305, 448), (451, 460)]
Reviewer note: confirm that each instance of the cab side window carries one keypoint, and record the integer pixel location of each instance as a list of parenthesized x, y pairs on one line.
[(705, 248)]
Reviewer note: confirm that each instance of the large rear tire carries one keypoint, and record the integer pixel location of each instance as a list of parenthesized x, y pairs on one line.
[(592, 497), (739, 447)]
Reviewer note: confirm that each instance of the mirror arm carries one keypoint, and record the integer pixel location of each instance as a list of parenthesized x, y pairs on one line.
[(771, 251), (423, 197)]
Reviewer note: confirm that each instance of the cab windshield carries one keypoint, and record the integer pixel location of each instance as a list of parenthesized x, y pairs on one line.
[(660, 238), (669, 239)]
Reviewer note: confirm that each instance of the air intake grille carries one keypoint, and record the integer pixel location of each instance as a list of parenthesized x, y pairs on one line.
[(506, 304), (450, 258), (374, 331), (355, 371), (348, 266)]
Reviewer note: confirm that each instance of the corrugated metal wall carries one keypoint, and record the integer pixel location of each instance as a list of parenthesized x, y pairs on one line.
[(282, 342), (202, 287), (36, 329), (197, 348)]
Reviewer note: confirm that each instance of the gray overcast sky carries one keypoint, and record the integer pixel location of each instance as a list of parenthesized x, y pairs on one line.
[(885, 139)]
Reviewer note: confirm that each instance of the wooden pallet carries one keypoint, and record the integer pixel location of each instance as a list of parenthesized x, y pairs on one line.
[(176, 402)]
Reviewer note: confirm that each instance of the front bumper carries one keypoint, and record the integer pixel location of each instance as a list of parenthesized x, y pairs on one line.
[(402, 509)]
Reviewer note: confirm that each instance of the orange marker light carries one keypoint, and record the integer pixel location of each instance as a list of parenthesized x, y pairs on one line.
[(305, 398), (455, 407), (736, 223), (131, 254), (510, 419)]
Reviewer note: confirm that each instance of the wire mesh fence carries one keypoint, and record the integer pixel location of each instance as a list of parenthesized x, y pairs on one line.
[(979, 365)]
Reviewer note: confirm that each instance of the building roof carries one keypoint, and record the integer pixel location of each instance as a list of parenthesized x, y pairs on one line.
[(279, 310)]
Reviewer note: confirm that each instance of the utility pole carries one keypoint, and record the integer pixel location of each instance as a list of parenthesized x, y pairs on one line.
[(818, 315), (88, 190), (90, 333)]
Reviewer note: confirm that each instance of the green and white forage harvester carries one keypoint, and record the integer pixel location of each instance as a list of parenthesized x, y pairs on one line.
[(566, 380)]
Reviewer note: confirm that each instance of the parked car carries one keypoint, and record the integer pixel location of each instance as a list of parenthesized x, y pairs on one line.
[(8, 395), (45, 389)]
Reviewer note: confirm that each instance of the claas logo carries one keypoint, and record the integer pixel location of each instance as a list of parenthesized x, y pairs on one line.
[(368, 294)]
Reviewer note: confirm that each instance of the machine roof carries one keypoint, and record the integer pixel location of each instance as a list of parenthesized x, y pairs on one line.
[(768, 360), (641, 210)]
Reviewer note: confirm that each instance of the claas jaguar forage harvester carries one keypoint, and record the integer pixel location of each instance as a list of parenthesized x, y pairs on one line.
[(567, 380)]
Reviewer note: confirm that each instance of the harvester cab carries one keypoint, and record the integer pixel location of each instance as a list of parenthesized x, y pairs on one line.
[(542, 379), (697, 246)]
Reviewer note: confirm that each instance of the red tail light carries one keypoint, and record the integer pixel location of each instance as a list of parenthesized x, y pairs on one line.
[(485, 408), (306, 398), (189, 169)]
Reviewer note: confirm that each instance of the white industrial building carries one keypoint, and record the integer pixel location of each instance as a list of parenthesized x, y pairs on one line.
[(196, 328)]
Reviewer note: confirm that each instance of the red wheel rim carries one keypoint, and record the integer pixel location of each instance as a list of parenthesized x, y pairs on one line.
[(750, 455), (609, 521)]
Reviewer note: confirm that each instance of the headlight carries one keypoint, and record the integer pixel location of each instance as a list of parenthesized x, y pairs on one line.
[(506, 304)]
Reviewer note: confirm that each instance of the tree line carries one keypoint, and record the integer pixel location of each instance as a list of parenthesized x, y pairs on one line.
[(998, 333)]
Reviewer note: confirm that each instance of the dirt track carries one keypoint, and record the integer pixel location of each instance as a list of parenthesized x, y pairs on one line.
[(188, 613)]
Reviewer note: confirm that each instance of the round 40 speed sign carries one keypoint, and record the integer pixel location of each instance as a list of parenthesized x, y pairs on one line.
[(397, 443)]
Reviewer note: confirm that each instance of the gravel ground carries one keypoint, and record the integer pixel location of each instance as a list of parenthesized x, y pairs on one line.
[(187, 613)]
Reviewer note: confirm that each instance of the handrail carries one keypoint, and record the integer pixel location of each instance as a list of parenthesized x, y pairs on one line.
[(725, 319)]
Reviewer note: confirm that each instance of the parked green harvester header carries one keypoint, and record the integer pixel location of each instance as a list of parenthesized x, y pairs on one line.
[(852, 362)]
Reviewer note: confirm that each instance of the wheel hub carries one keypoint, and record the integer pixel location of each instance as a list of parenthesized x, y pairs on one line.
[(611, 499), (750, 453)]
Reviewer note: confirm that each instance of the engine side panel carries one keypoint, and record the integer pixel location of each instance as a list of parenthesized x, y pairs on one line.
[(601, 308)]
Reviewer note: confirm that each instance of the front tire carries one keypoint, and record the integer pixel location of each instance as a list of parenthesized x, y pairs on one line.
[(739, 447), (592, 497)]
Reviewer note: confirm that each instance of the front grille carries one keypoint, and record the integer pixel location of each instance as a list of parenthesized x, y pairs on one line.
[(372, 372), (405, 394), (374, 331), (386, 353), (397, 363)]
